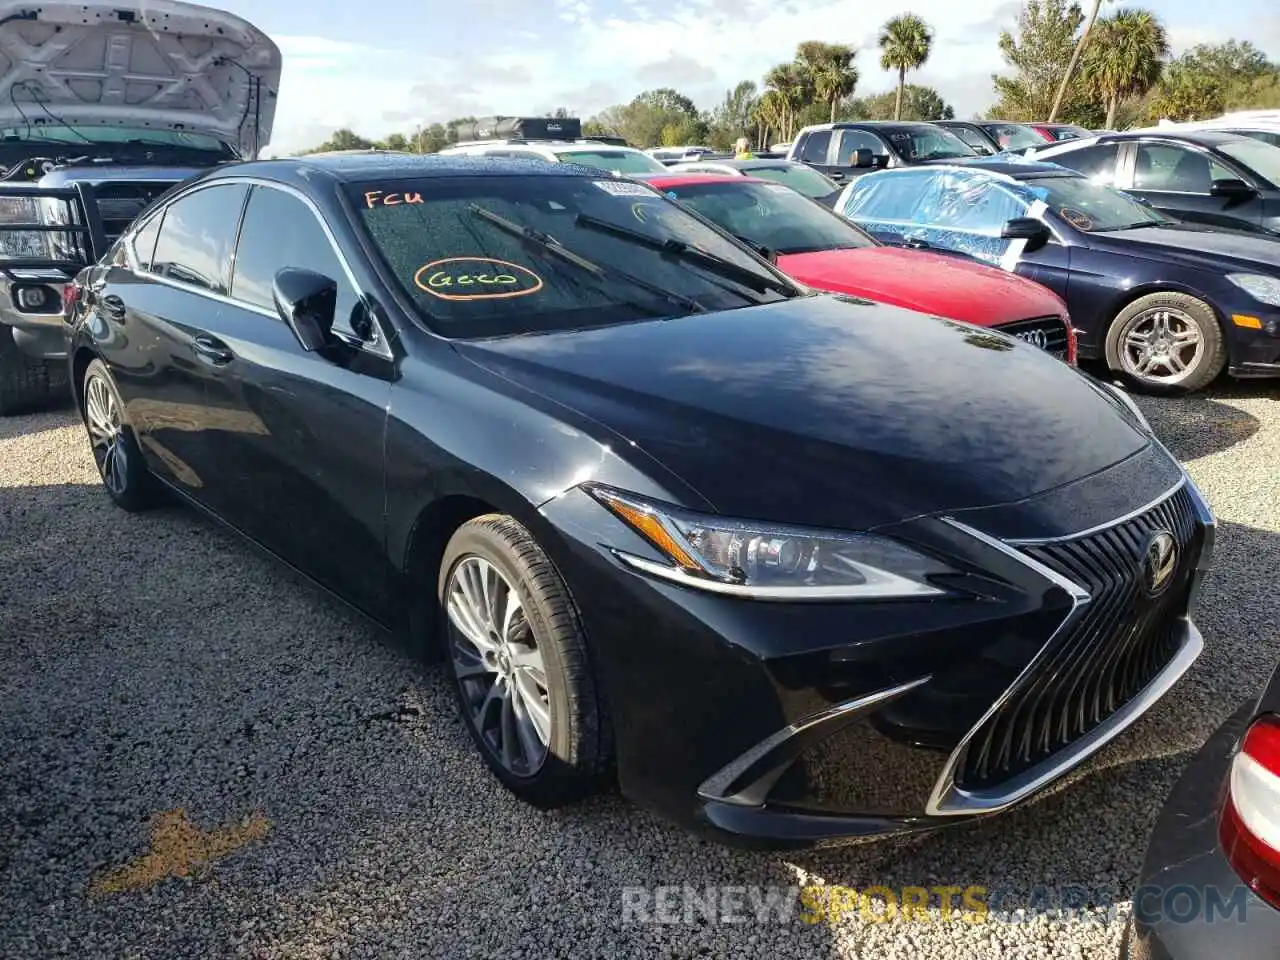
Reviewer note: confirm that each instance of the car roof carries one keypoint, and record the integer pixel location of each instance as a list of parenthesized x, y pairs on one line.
[(551, 146), (663, 180), (1204, 138), (353, 168)]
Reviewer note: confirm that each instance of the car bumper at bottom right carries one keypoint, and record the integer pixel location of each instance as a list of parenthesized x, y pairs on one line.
[(1190, 904)]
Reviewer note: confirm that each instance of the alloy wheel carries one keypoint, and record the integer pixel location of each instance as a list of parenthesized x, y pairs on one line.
[(106, 434), (1163, 345), (499, 665)]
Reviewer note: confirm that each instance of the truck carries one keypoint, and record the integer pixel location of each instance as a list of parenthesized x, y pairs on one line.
[(104, 107)]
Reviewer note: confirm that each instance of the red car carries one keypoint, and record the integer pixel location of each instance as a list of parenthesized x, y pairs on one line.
[(1056, 132), (823, 250)]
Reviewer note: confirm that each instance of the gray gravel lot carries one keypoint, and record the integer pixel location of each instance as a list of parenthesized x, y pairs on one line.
[(153, 663)]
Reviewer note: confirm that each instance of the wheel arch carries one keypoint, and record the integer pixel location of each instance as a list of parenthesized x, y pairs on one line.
[(80, 360), (1122, 300)]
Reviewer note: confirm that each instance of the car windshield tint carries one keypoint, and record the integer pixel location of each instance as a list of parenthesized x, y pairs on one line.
[(1262, 158), (1093, 207), (771, 216), (918, 144), (615, 161), (1012, 136), (798, 177), (593, 253)]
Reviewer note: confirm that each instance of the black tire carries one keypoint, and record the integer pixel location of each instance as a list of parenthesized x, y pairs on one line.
[(27, 384), (578, 752), (1187, 312), (124, 474)]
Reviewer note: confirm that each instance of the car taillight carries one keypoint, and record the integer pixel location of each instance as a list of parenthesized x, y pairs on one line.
[(70, 297), (1073, 345), (1250, 826)]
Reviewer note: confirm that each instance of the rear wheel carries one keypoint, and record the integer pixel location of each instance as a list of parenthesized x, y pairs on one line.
[(518, 657), (115, 447), (26, 383), (1167, 343)]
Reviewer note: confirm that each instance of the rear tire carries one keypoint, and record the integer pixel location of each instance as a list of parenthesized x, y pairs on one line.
[(515, 648), (116, 453), (1166, 343), (26, 383)]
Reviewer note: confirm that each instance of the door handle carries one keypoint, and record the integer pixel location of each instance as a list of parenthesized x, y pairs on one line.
[(212, 350), (113, 306)]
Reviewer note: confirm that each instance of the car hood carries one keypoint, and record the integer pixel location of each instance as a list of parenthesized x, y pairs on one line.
[(828, 410), (138, 63), (929, 282), (1195, 245)]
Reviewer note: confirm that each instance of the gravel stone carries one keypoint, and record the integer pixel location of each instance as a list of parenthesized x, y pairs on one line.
[(154, 663)]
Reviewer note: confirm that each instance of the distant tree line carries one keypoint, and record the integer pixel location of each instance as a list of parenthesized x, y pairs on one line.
[(1111, 72)]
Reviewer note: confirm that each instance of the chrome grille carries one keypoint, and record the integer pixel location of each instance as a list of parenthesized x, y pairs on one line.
[(1047, 333), (1111, 650)]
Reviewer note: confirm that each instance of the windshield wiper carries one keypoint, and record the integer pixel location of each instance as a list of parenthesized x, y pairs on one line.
[(759, 248), (553, 246), (678, 248)]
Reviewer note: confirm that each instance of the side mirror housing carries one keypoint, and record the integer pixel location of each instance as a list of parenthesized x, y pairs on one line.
[(1026, 228), (862, 158), (1231, 189), (307, 302)]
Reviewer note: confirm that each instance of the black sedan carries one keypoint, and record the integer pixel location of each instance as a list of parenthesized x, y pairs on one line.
[(1202, 176), (664, 512), (1210, 884), (1166, 304)]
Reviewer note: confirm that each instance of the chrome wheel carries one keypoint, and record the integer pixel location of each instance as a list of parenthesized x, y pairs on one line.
[(1163, 345), (499, 666), (106, 434)]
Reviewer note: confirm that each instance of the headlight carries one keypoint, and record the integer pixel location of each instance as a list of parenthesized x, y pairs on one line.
[(1262, 288), (767, 561)]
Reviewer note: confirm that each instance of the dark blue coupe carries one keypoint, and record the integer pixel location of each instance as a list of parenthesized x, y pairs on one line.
[(1167, 304)]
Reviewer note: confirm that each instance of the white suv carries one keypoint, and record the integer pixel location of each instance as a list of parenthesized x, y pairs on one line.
[(592, 153)]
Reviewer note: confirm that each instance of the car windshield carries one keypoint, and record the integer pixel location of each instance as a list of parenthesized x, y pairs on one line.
[(797, 176), (918, 144), (485, 256), (615, 161), (69, 135), (1262, 158), (1013, 136), (1093, 207), (771, 217)]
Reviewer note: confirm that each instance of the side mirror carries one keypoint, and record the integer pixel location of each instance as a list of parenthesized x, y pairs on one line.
[(862, 158), (1231, 189), (306, 301), (1026, 228)]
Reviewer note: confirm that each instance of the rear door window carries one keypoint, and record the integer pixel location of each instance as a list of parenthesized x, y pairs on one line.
[(853, 140), (197, 236), (1098, 163), (1174, 169)]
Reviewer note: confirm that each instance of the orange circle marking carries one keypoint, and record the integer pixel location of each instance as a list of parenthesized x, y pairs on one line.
[(424, 286)]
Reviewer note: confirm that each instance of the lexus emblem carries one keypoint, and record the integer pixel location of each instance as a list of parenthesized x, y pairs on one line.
[(1160, 562), (1037, 338)]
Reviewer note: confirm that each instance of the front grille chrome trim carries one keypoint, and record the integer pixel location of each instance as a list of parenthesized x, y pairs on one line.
[(947, 797)]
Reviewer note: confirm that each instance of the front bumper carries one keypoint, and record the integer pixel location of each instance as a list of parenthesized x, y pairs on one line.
[(37, 333), (1190, 904), (807, 723)]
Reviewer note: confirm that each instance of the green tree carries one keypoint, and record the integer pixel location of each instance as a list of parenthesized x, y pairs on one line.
[(793, 88), (343, 139), (1039, 52), (830, 69), (667, 100), (918, 103), (1211, 78), (733, 117), (432, 139), (395, 141), (1125, 59), (905, 43)]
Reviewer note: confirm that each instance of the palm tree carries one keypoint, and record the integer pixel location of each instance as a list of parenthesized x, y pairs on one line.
[(905, 42), (791, 83), (1075, 59), (1126, 58), (830, 69)]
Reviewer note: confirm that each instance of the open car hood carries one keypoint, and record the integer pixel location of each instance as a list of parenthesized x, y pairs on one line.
[(156, 64)]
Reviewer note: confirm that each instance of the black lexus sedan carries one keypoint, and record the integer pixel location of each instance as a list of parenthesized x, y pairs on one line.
[(1168, 305), (773, 559), (1210, 884)]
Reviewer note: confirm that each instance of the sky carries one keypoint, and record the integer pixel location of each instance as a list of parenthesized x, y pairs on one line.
[(379, 66)]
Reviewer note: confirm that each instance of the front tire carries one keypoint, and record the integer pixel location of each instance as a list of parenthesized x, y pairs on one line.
[(1167, 343), (515, 648), (27, 384), (116, 453)]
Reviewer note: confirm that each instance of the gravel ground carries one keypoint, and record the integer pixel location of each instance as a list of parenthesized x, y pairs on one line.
[(332, 805)]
